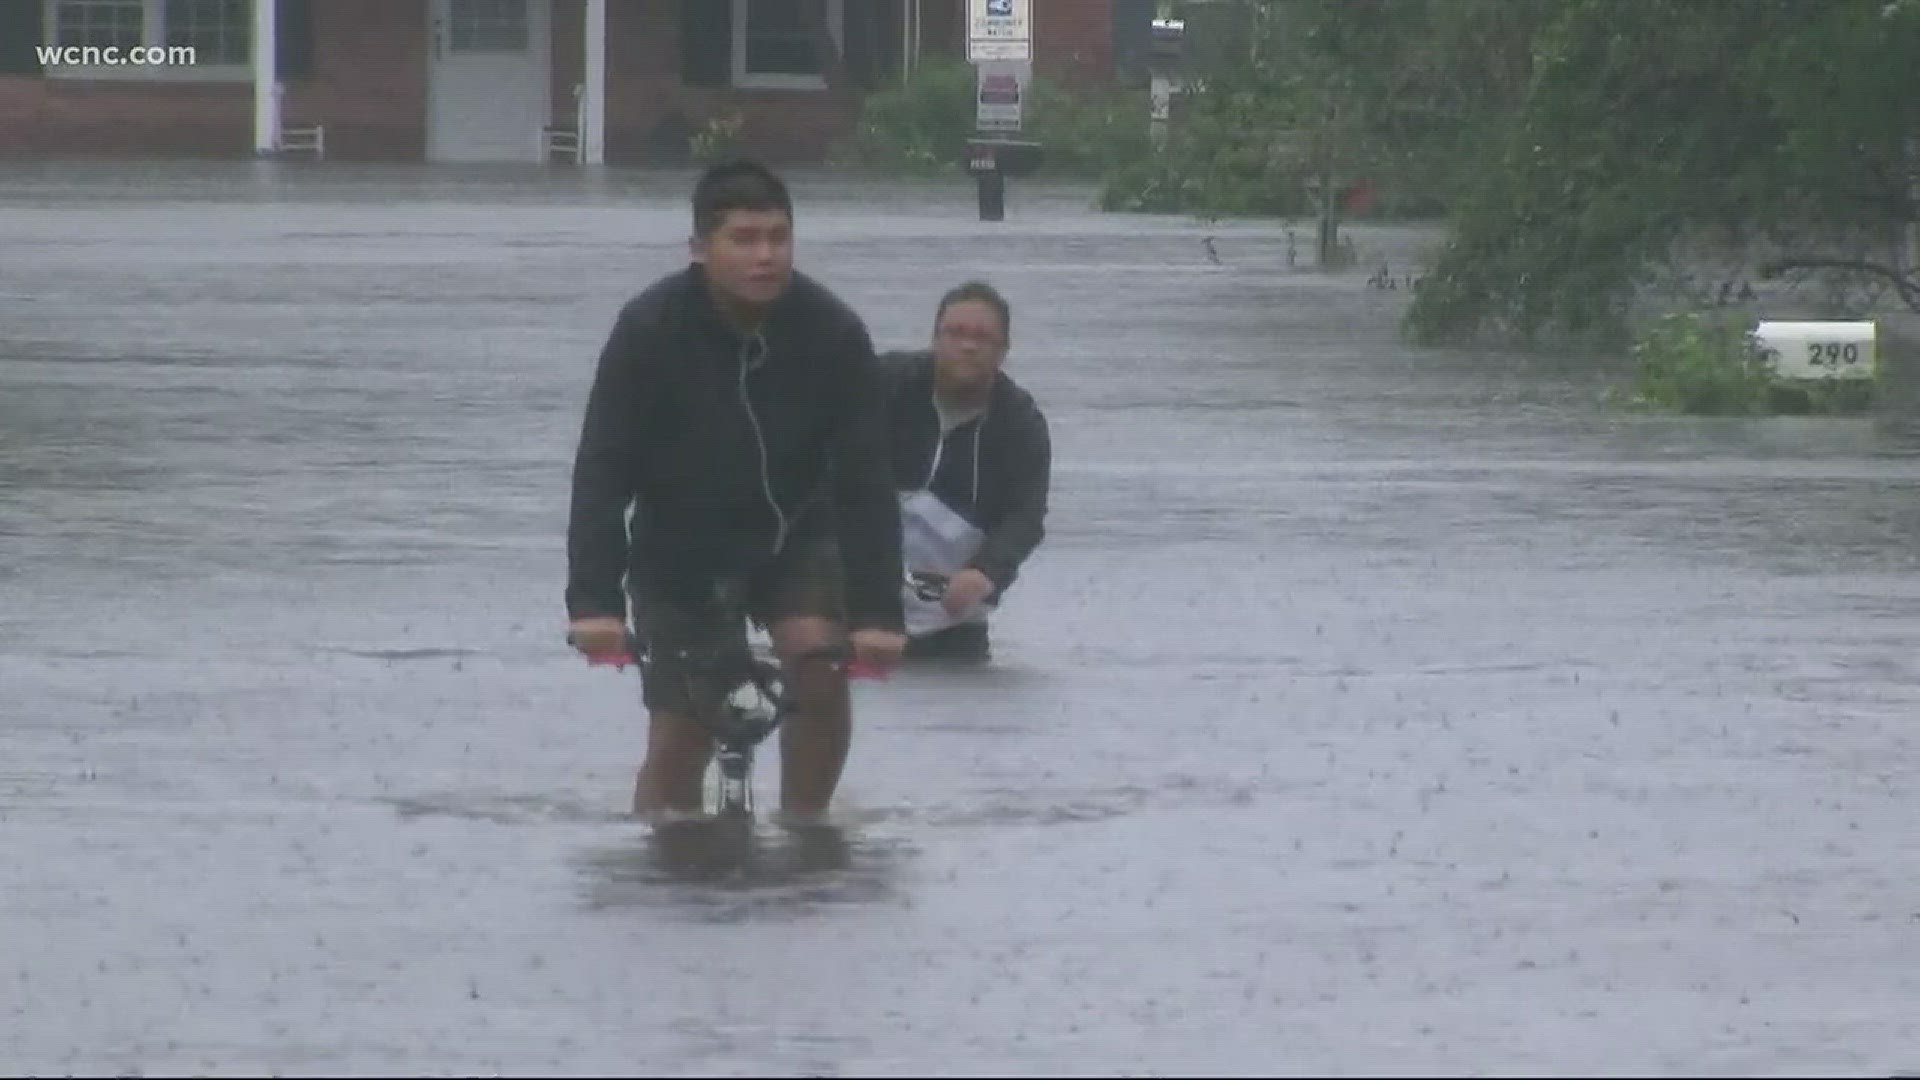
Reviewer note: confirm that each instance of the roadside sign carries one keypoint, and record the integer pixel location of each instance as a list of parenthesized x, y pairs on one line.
[(1001, 94), (999, 30)]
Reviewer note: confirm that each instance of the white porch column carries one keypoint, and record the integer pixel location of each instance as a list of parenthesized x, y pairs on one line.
[(266, 79), (593, 112)]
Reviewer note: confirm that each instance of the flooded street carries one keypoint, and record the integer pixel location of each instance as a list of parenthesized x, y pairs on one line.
[(1367, 710)]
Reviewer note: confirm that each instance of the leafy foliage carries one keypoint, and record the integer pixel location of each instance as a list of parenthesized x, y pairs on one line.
[(918, 128), (1578, 148), (922, 127), (1398, 92), (718, 140), (1698, 363), (1747, 121), (1710, 365)]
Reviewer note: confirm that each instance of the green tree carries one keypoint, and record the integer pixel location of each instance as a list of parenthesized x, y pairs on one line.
[(1399, 92), (1646, 124), (1579, 149)]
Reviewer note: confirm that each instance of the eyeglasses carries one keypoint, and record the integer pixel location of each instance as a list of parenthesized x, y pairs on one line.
[(962, 334)]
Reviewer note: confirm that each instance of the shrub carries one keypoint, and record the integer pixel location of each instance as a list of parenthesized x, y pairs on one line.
[(1087, 133), (922, 128), (717, 140), (918, 128), (1702, 364)]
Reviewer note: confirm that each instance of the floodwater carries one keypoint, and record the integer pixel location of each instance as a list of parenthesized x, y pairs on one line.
[(1367, 710)]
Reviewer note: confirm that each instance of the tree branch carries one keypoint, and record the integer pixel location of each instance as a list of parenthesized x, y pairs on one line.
[(1907, 285)]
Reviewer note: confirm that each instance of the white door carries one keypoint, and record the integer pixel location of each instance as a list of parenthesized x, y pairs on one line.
[(487, 84)]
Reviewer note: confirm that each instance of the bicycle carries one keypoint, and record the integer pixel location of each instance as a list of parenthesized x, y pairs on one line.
[(741, 697), (755, 701)]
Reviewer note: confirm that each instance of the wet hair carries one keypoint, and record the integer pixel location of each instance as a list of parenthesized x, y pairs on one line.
[(736, 185), (985, 294)]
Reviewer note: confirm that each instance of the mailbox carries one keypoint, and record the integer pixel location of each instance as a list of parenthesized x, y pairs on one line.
[(991, 161), (1009, 157), (1818, 350)]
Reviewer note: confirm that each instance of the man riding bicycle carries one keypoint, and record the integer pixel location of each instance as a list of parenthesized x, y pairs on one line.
[(737, 411)]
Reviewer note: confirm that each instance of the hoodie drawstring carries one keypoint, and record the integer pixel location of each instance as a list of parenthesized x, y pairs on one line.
[(751, 357), (940, 445), (977, 429)]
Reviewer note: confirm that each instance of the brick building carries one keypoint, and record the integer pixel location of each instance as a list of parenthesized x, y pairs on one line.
[(487, 80)]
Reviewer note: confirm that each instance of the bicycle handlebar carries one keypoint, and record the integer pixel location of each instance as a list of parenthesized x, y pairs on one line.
[(632, 653), (928, 586)]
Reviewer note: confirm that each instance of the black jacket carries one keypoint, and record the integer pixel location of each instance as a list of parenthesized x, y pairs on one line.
[(724, 458), (995, 470)]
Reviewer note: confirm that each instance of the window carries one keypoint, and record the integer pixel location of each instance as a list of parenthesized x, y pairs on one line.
[(101, 24), (220, 33), (790, 44), (487, 26), (706, 43), (784, 38)]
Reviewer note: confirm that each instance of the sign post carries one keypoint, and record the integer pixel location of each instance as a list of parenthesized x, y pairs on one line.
[(1000, 47), (1166, 61)]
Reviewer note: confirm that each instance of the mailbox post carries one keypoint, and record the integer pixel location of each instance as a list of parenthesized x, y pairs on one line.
[(1166, 70), (1000, 95), (990, 183), (992, 160), (1000, 46)]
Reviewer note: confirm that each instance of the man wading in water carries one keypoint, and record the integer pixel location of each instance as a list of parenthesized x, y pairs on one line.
[(972, 463)]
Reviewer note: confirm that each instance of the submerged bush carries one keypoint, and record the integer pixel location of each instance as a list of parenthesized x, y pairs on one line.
[(1704, 364), (1709, 365)]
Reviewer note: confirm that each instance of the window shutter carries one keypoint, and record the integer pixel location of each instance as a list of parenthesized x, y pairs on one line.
[(866, 53), (20, 37), (1132, 38), (706, 42), (293, 29)]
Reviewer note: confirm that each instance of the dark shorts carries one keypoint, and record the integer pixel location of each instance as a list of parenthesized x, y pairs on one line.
[(677, 610)]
